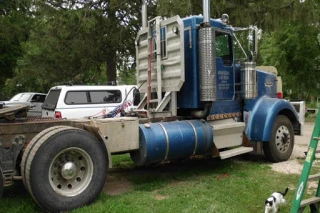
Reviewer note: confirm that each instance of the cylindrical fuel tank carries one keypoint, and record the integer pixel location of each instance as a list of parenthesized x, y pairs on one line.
[(248, 80), (172, 140)]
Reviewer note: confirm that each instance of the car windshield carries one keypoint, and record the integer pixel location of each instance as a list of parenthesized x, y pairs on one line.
[(22, 97)]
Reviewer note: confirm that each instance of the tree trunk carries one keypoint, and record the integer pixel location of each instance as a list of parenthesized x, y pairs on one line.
[(111, 67)]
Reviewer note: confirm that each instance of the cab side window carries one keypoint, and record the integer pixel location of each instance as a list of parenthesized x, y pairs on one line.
[(37, 98), (224, 48)]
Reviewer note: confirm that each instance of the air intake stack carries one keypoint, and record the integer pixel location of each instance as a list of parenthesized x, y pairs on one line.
[(248, 80), (207, 68)]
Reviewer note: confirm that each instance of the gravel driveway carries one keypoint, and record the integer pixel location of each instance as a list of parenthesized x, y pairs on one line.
[(292, 166)]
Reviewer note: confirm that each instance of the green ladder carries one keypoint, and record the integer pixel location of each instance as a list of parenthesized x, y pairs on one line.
[(298, 204)]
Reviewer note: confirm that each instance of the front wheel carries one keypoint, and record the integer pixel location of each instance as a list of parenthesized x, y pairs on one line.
[(65, 169), (280, 147)]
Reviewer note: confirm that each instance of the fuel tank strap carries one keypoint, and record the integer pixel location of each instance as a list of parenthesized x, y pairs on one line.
[(167, 141), (196, 137)]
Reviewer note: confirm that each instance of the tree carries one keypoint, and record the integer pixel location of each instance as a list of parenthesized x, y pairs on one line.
[(64, 45), (78, 41), (295, 48), (15, 22), (295, 52), (90, 41), (264, 14)]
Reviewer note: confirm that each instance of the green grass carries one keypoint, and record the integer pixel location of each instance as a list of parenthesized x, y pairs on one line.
[(193, 185), (311, 118)]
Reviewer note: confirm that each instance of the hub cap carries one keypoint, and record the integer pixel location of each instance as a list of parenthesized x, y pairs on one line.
[(282, 139), (71, 172), (68, 170)]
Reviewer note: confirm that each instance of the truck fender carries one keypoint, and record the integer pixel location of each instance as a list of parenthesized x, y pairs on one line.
[(261, 114), (94, 129)]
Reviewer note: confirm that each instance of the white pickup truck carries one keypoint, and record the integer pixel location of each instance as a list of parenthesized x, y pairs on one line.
[(79, 101), (35, 100)]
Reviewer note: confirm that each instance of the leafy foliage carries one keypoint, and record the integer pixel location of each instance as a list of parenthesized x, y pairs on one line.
[(85, 42), (52, 42), (295, 51), (63, 46), (15, 22), (266, 15)]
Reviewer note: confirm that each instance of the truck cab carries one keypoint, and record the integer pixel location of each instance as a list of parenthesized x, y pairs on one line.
[(188, 68)]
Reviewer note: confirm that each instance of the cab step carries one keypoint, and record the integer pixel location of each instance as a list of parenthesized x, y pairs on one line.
[(234, 152)]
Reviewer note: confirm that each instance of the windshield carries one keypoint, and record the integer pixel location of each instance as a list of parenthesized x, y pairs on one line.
[(240, 42), (51, 100), (21, 97), (246, 42)]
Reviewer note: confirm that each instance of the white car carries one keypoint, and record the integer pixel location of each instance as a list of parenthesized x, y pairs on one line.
[(33, 99), (88, 101)]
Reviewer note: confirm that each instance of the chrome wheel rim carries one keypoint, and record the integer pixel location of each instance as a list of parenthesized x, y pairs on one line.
[(282, 139), (71, 172)]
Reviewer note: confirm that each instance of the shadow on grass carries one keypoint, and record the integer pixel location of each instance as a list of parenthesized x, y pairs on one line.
[(151, 177), (16, 199), (16, 190)]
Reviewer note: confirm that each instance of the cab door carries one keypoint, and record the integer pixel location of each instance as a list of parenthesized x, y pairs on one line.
[(36, 103), (224, 66)]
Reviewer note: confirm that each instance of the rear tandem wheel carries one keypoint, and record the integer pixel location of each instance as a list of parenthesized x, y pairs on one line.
[(65, 168)]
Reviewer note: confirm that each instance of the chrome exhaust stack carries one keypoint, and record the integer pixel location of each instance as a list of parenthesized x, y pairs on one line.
[(207, 66), (206, 12), (144, 14)]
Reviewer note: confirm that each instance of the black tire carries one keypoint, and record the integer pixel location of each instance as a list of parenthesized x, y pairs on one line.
[(30, 146), (1, 183), (66, 169), (280, 147)]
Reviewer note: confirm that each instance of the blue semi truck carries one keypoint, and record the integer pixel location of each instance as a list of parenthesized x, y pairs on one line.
[(188, 68), (196, 99)]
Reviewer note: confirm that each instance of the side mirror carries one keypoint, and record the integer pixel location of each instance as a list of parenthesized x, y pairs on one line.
[(136, 97), (253, 42)]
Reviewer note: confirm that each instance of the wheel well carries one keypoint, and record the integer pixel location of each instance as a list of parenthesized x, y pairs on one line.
[(289, 114)]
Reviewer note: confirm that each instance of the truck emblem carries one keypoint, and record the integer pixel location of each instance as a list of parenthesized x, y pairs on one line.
[(268, 84)]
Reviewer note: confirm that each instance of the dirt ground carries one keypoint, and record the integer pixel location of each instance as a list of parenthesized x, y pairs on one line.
[(117, 184)]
